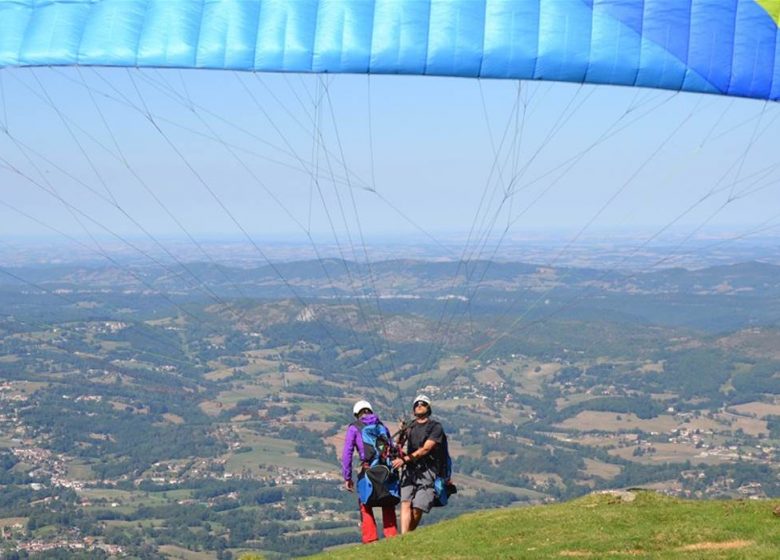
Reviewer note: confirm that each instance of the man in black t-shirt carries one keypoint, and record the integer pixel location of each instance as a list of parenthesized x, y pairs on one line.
[(420, 464)]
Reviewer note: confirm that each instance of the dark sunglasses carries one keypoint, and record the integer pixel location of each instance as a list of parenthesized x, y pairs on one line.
[(421, 403)]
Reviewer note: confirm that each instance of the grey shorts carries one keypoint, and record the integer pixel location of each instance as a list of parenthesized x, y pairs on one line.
[(417, 487)]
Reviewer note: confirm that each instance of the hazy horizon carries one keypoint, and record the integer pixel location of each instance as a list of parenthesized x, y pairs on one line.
[(627, 251)]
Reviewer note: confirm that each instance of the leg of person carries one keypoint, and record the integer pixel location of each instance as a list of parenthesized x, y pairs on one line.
[(422, 501), (407, 495), (389, 522), (416, 516), (406, 516), (367, 524)]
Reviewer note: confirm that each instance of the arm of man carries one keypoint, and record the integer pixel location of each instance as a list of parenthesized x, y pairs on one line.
[(427, 447)]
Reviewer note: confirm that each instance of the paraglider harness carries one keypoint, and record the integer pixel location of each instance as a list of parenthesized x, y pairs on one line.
[(378, 485), (440, 461)]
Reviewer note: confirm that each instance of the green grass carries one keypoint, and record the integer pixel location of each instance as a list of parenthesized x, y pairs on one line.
[(80, 470), (268, 451), (179, 553), (142, 523), (597, 526), (129, 501)]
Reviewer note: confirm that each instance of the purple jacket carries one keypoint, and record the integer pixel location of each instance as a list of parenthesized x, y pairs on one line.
[(352, 441)]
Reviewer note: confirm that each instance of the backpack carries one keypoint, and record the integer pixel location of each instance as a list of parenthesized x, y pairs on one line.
[(377, 484), (443, 487), (376, 442)]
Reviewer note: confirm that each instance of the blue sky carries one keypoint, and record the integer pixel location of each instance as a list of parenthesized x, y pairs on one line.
[(584, 159)]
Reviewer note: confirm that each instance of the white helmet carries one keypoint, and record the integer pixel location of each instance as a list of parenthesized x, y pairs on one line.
[(361, 405), (422, 398)]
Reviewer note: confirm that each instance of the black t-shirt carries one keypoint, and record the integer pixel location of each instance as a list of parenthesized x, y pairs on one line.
[(419, 433)]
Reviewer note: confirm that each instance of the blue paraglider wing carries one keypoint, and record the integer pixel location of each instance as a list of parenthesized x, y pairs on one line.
[(718, 46)]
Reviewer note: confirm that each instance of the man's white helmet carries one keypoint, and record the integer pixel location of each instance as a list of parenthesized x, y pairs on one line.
[(360, 405), (422, 398)]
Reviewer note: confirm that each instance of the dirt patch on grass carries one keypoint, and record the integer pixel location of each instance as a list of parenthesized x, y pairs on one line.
[(601, 469), (219, 374), (586, 554), (488, 376), (751, 426), (760, 409), (725, 545), (173, 418), (213, 408)]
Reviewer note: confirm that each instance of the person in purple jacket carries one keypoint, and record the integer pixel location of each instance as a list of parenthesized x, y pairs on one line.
[(364, 414)]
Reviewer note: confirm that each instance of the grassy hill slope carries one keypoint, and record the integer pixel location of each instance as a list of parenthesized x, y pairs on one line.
[(636, 525)]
